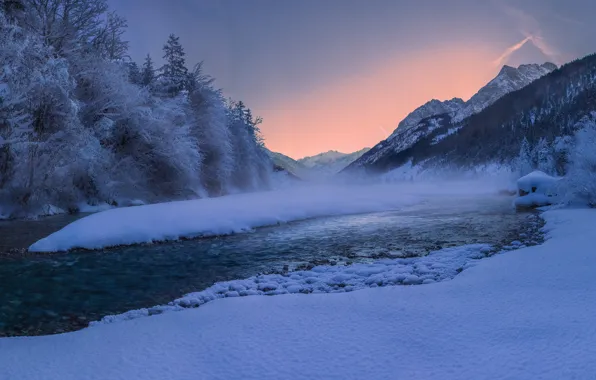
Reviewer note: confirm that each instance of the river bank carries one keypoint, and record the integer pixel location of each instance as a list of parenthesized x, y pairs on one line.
[(525, 314), (45, 294)]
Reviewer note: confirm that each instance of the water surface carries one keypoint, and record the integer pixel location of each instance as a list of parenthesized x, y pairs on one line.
[(45, 294)]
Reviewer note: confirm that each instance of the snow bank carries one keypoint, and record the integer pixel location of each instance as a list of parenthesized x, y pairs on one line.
[(538, 182), (536, 189), (533, 200), (238, 213), (527, 314), (437, 266)]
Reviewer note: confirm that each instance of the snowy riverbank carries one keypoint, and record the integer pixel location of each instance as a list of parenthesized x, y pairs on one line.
[(525, 314), (243, 212)]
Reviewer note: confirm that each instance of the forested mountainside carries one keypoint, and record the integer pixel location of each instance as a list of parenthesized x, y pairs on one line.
[(81, 123), (435, 114), (534, 123)]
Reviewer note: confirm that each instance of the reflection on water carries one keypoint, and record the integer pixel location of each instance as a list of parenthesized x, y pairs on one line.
[(17, 235), (61, 292)]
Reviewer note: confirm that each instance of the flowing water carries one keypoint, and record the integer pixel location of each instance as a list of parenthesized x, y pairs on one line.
[(44, 294)]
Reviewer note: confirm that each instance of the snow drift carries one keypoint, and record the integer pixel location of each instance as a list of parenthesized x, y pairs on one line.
[(536, 189), (522, 315), (241, 213)]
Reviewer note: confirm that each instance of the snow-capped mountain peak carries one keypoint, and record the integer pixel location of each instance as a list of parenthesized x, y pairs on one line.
[(430, 108), (321, 158), (331, 162), (315, 167), (509, 79), (435, 114)]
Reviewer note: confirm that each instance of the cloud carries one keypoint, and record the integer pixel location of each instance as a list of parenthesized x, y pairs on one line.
[(530, 28), (510, 50)]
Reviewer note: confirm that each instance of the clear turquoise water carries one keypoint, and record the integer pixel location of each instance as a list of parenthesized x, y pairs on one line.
[(63, 292)]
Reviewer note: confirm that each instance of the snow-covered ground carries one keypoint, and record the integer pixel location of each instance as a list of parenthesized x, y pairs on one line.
[(539, 189), (243, 212), (526, 314)]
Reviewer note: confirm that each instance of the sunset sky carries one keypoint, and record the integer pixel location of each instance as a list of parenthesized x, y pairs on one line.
[(341, 74)]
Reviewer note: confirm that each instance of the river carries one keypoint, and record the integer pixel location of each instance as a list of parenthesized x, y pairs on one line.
[(45, 294)]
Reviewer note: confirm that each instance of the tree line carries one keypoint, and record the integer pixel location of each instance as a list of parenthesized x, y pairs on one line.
[(80, 122)]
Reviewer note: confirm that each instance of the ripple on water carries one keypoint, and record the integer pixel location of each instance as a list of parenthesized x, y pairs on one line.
[(63, 292)]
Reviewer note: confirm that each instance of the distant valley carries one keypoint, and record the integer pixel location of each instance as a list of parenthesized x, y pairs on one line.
[(320, 166)]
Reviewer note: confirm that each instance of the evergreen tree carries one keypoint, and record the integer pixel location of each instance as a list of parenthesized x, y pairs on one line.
[(148, 72), (580, 182), (174, 74), (545, 157), (134, 73), (526, 164)]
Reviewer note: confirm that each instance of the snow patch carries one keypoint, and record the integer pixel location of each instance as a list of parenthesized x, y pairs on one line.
[(449, 132)]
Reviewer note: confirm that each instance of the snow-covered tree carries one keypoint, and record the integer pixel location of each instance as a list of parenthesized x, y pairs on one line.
[(212, 131), (41, 131), (148, 72), (562, 146), (173, 74), (544, 156), (67, 25), (580, 181), (12, 9), (525, 162), (109, 42), (252, 163), (134, 73), (79, 122)]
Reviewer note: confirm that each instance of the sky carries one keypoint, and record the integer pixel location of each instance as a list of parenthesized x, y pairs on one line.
[(341, 74)]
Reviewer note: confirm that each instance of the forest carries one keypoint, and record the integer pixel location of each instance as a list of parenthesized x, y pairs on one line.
[(81, 123)]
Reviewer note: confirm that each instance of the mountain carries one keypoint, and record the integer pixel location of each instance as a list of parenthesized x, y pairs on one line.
[(314, 167), (545, 113), (435, 114), (283, 162), (431, 108), (509, 79), (331, 162)]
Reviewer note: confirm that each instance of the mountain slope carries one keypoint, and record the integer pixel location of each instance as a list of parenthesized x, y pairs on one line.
[(545, 112), (330, 162), (435, 115), (431, 108), (281, 161), (509, 79)]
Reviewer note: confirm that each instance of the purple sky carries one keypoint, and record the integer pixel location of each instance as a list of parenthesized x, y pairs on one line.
[(340, 74)]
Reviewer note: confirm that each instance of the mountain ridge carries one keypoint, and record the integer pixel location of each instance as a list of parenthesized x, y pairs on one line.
[(312, 167), (436, 114), (544, 114)]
